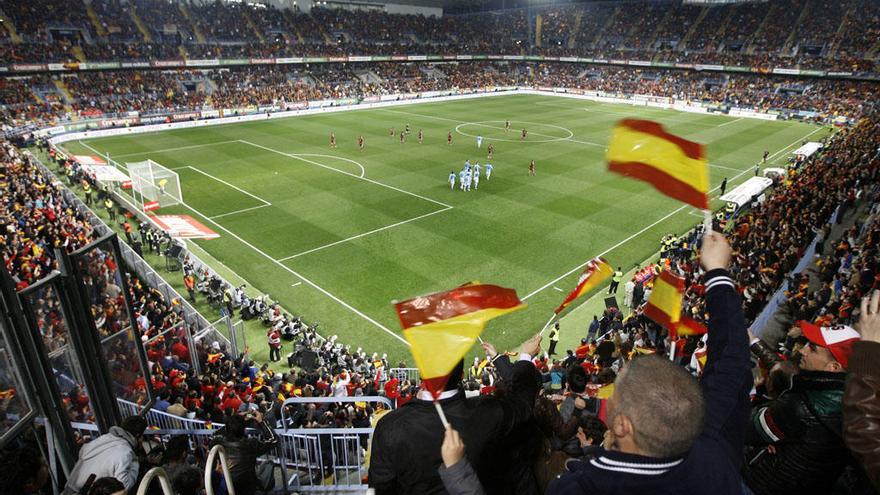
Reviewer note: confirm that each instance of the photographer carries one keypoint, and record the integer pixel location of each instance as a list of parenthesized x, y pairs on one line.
[(242, 452)]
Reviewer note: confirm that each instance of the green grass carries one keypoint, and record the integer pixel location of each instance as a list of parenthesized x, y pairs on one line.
[(338, 248)]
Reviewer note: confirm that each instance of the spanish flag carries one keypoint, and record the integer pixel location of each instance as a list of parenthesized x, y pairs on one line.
[(676, 167), (688, 326), (597, 271), (442, 327), (664, 305)]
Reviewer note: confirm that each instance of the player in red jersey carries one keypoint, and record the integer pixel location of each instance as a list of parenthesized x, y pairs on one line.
[(421, 136), (523, 137), (332, 140), (532, 167), (361, 143), (449, 137)]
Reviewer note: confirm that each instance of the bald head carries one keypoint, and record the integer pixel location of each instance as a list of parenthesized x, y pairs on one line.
[(662, 404)]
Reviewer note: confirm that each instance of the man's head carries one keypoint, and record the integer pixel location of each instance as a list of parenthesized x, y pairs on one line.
[(135, 425), (576, 378), (107, 486), (827, 348), (657, 409)]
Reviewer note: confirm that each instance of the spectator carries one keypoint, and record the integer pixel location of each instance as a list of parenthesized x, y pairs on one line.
[(24, 471), (107, 486), (796, 440), (406, 442), (456, 472), (650, 448), (860, 406), (243, 452), (110, 455)]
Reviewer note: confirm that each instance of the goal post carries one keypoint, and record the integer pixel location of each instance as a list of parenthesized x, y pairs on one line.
[(153, 185)]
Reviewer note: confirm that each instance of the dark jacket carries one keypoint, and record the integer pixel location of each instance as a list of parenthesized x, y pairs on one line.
[(242, 454), (712, 464), (804, 424), (861, 408), (406, 443)]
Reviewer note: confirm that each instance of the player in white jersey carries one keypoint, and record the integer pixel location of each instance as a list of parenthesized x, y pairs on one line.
[(476, 177), (452, 180), (467, 182), (461, 176), (467, 165), (488, 171), (479, 141), (477, 168)]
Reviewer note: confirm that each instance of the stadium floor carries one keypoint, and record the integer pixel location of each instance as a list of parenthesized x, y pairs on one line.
[(336, 234)]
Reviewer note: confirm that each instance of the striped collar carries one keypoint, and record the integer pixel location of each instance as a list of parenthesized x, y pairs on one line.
[(634, 464), (426, 396)]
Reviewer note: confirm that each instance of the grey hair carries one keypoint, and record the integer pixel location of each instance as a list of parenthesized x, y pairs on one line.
[(664, 404)]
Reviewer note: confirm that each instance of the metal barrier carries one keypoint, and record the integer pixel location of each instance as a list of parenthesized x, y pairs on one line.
[(324, 459), (164, 482), (218, 451)]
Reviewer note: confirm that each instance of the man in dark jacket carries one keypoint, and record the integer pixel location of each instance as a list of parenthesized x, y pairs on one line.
[(796, 440), (242, 451), (861, 409), (665, 436), (405, 452)]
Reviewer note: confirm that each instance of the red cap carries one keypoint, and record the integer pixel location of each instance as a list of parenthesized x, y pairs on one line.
[(837, 339)]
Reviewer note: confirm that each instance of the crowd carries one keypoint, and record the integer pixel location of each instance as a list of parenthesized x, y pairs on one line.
[(792, 33), (112, 94)]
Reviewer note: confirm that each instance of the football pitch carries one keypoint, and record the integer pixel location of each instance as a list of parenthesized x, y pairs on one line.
[(337, 234)]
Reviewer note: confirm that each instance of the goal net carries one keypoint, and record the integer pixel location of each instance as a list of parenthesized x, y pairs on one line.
[(153, 185)]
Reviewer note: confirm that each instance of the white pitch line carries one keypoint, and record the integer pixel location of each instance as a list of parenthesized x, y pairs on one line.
[(206, 174), (557, 288), (725, 167), (731, 122), (492, 127), (294, 285), (612, 248), (299, 157), (236, 212), (304, 279), (325, 246), (180, 148)]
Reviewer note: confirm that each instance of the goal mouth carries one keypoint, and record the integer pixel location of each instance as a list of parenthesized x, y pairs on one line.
[(153, 185)]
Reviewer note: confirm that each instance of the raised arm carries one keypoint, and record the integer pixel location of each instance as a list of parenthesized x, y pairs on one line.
[(727, 378)]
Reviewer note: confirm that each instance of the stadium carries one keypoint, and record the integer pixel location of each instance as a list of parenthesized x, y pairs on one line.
[(439, 246)]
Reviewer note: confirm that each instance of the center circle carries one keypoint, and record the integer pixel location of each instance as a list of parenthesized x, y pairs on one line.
[(491, 124)]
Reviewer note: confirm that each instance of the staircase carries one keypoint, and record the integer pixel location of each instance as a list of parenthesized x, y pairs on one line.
[(77, 52), (36, 95), (841, 31), (10, 28), (605, 26), (96, 22), (292, 23), (182, 51), (200, 37), (758, 32), (659, 26), (64, 90), (682, 45), (252, 25), (140, 25), (792, 37), (575, 29)]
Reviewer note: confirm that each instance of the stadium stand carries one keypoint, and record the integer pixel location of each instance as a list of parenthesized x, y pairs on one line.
[(204, 384)]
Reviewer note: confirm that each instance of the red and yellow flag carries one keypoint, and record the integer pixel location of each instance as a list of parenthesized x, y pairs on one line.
[(597, 271), (676, 167), (664, 305), (442, 327), (688, 326)]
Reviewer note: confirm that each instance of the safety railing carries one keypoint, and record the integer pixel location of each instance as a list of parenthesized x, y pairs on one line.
[(218, 452), (164, 482), (324, 459)]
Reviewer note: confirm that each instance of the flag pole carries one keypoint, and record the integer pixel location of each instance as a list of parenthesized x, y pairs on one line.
[(707, 221), (547, 324), (442, 415)]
